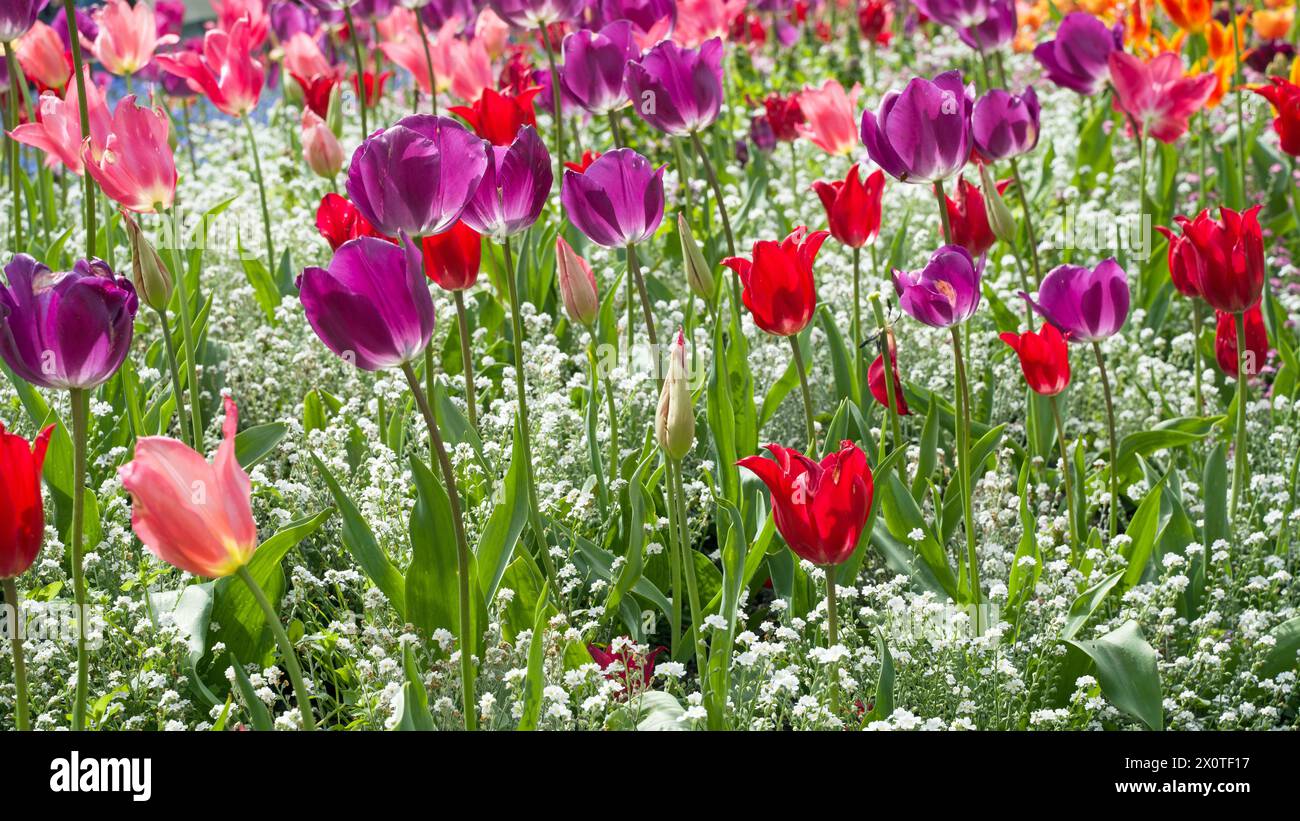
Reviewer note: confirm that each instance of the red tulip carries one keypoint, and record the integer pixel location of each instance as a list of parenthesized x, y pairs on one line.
[(497, 117), (338, 221), (629, 662), (778, 282), (968, 218), (819, 509), (853, 209), (876, 379), (1225, 342), (1044, 358), (452, 258), (22, 512), (1228, 257), (316, 92), (374, 86), (1184, 263), (785, 116), (1285, 97), (874, 18), (588, 157)]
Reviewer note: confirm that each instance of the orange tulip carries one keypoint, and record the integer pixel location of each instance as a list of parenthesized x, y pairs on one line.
[(1188, 15)]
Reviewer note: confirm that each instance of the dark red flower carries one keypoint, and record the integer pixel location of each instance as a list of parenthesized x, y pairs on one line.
[(452, 258), (874, 18), (338, 221), (1044, 358), (629, 662), (876, 379), (821, 508), (516, 76), (1225, 342), (853, 209), (784, 115), (497, 117), (778, 282), (22, 512), (374, 86), (1184, 263), (1228, 257), (316, 92), (588, 157), (969, 220), (1285, 97)]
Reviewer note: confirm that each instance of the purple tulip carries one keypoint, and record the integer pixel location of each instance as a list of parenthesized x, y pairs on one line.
[(646, 16), (618, 201), (399, 182), (288, 19), (86, 26), (532, 14), (677, 90), (1086, 306), (17, 16), (761, 133), (1005, 125), (1078, 58), (997, 30), (922, 134), (372, 305), (514, 187), (65, 330), (593, 66), (943, 293), (957, 14), (436, 13)]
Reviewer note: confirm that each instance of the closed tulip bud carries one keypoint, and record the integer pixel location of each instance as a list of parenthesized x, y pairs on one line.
[(999, 215), (675, 419), (320, 148), (698, 275), (153, 282), (334, 113), (577, 284)]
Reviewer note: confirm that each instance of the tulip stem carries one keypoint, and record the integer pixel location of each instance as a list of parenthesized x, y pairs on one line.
[(466, 356), (1065, 477), (1029, 221), (556, 95), (807, 395), (189, 138), (468, 641), (1110, 430), (716, 186), (688, 566), (15, 103), (83, 108), (1196, 351), (961, 424), (261, 192), (890, 366), (1239, 453), (187, 343), (616, 133), (1241, 89), (942, 199), (634, 274), (79, 399), (683, 176), (521, 395), (832, 632), (674, 566), (592, 417), (23, 721), (859, 360), (170, 348), (361, 69), (286, 647), (428, 61)]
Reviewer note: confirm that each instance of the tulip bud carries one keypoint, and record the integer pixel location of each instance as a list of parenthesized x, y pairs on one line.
[(675, 419), (153, 282), (292, 93), (698, 275), (320, 148), (577, 284), (999, 216), (334, 110)]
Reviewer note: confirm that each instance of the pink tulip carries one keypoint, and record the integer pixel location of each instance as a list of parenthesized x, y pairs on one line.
[(57, 130), (700, 20), (830, 117), (134, 164), (253, 12), (189, 513), (127, 37), (577, 284), (491, 31), (320, 147), (1156, 94), (467, 63), (405, 49), (43, 58), (303, 57), (225, 70)]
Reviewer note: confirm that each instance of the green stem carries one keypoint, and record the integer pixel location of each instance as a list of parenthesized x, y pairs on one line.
[(674, 565), (716, 186), (692, 583), (1110, 430), (616, 131), (1241, 465), (859, 359), (613, 429), (261, 192), (187, 344), (286, 647), (189, 138), (1241, 89), (428, 62), (1196, 351), (809, 424), (942, 199), (79, 399), (892, 410), (1065, 477), (1029, 221), (468, 642), (683, 176), (15, 103), (962, 425), (833, 632), (361, 70), (521, 396), (634, 276), (74, 39), (466, 355), (593, 416), (556, 95), (170, 347), (23, 720)]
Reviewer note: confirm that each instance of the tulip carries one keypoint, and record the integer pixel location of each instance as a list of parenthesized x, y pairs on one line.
[(701, 20), (1156, 94), (1005, 125), (778, 281), (1085, 305), (1078, 58), (922, 134), (451, 259), (127, 37), (17, 17), (304, 58), (874, 19), (618, 201), (252, 12), (374, 84), (577, 284), (593, 66), (588, 157), (677, 90), (65, 330), (57, 129), (398, 181), (338, 221), (316, 92), (785, 116), (946, 292), (153, 282), (134, 165), (497, 117), (514, 188), (699, 276), (532, 14), (820, 509), (628, 664), (957, 14), (997, 29), (225, 70), (42, 57), (876, 379), (762, 134), (1225, 342), (675, 418), (968, 218), (652, 20), (852, 208), (830, 117), (1189, 15), (1285, 97), (1044, 358), (320, 148), (1224, 257)]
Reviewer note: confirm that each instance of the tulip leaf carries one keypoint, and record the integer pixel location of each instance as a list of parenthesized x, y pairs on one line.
[(257, 712), (499, 537), (722, 422), (883, 707), (630, 573), (265, 290), (1166, 435), (1087, 603), (252, 445), (1126, 668), (432, 589), (360, 542), (534, 680), (842, 359), (1143, 529), (1027, 566), (903, 519), (1281, 657), (411, 707)]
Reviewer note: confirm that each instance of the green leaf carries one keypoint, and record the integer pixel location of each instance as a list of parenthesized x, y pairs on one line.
[(1126, 668), (252, 445), (630, 573), (1214, 490), (432, 589), (257, 712), (884, 706), (500, 535), (1282, 656), (1166, 435), (360, 542), (1087, 603), (902, 517), (412, 705), (1143, 529), (534, 681), (1023, 580)]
